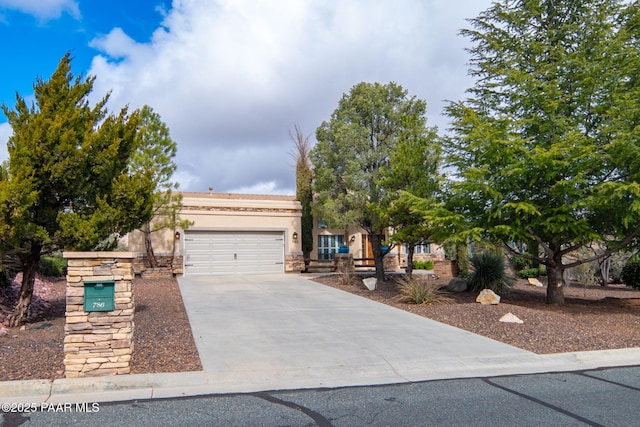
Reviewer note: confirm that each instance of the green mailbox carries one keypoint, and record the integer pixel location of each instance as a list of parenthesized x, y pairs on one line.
[(99, 296)]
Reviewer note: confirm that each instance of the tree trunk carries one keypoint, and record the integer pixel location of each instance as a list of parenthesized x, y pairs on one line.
[(604, 271), (410, 261), (378, 257), (556, 284), (153, 263), (173, 247), (20, 313)]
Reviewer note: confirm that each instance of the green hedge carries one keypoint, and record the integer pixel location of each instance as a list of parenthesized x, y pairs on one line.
[(423, 265), (520, 263), (532, 272), (52, 266)]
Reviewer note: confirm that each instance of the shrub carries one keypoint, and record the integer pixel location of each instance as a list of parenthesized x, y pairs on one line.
[(423, 265), (52, 266), (347, 279), (488, 273), (529, 272), (532, 272), (631, 273), (462, 259), (420, 291), (520, 263)]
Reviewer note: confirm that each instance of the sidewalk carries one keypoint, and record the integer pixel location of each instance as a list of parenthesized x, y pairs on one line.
[(299, 334)]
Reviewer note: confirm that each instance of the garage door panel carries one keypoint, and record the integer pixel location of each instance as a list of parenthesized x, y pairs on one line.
[(220, 252), (197, 246)]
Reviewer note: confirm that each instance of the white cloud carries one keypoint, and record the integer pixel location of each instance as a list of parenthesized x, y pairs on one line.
[(5, 134), (43, 9), (118, 44), (263, 188), (230, 77)]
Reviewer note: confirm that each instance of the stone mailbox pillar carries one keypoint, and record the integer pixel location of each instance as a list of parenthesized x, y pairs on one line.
[(344, 263), (99, 315)]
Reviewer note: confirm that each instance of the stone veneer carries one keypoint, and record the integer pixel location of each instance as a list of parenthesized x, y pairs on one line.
[(294, 263), (99, 343), (390, 262), (445, 268), (344, 263), (141, 264)]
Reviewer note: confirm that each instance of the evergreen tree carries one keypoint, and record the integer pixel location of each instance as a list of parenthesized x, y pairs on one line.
[(154, 154), (546, 146), (304, 190), (66, 184), (354, 148), (413, 175)]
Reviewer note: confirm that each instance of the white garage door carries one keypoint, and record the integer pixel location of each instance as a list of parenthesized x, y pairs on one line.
[(234, 252)]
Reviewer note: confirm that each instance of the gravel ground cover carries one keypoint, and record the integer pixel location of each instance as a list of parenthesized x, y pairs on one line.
[(594, 318)]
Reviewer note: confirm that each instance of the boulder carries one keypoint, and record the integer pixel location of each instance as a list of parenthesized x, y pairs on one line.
[(487, 296), (370, 283), (510, 318), (457, 284), (535, 282)]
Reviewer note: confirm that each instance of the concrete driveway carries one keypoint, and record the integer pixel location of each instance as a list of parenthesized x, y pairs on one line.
[(285, 332), (260, 333)]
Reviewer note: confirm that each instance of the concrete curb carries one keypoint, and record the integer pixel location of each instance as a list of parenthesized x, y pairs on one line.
[(184, 384)]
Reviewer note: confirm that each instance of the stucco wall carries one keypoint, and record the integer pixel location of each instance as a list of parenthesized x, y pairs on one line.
[(229, 212)]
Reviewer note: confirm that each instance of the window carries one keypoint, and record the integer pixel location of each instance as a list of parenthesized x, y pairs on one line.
[(421, 248), (328, 245)]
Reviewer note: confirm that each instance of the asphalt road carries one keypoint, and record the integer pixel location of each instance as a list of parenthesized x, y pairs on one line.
[(606, 397)]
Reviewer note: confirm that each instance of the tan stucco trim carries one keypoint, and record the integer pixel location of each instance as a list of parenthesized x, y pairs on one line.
[(111, 255)]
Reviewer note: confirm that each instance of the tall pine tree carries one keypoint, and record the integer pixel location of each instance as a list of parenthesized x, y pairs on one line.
[(354, 150)]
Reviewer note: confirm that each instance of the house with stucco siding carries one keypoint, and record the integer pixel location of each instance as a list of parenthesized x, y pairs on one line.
[(249, 233)]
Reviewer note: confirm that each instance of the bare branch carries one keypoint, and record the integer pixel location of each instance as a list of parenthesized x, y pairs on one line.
[(301, 148), (623, 243), (524, 255)]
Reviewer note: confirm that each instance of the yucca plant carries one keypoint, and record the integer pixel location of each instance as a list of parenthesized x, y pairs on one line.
[(488, 272), (414, 290)]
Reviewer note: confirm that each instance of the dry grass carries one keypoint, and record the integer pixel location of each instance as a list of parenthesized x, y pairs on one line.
[(348, 279), (418, 290)]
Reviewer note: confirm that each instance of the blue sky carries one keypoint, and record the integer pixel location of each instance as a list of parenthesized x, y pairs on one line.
[(36, 39), (231, 77)]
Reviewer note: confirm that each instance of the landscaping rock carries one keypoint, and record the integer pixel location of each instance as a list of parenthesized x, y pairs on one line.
[(457, 284), (487, 296), (370, 283), (510, 318), (535, 282)]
